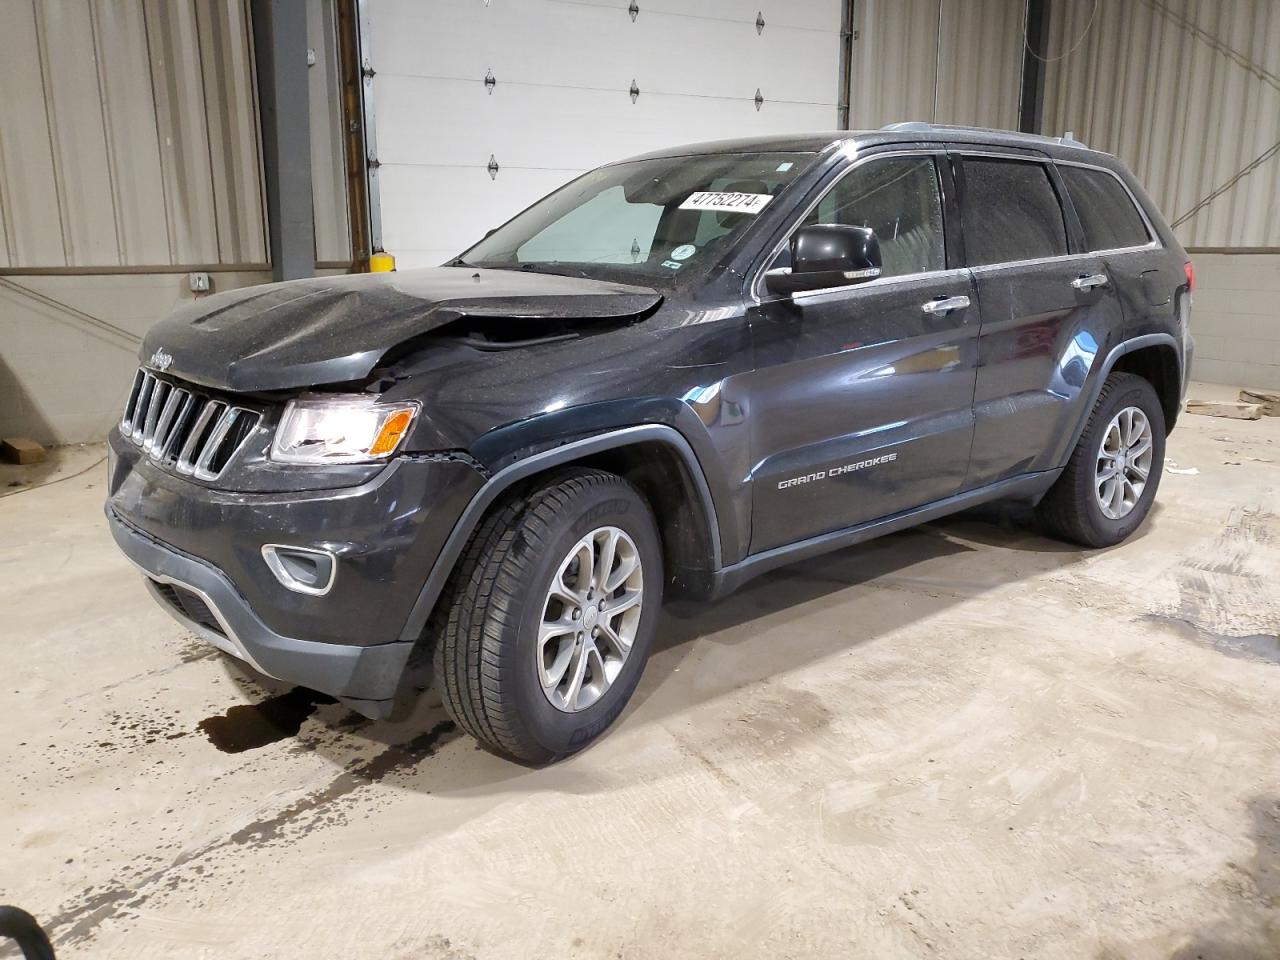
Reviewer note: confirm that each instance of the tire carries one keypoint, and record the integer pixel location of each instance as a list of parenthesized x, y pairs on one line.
[(487, 624), (1071, 509)]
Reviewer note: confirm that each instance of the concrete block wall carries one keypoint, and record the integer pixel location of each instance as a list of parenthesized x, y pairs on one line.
[(69, 346), (1235, 319)]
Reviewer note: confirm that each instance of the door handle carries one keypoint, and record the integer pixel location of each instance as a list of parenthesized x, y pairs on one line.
[(944, 305), (1089, 282)]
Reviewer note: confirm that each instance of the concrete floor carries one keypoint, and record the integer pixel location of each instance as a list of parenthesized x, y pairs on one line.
[(964, 741)]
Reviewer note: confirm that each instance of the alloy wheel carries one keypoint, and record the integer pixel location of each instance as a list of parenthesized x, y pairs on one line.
[(1124, 463), (589, 619)]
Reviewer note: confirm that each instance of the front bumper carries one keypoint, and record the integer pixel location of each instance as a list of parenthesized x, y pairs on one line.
[(229, 623), (201, 550)]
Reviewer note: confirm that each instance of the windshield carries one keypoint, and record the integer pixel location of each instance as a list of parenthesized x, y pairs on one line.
[(646, 221)]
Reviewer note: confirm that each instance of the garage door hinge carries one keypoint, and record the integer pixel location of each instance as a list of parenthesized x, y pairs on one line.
[(493, 167), (489, 81), (634, 9), (759, 22), (759, 99), (635, 91)]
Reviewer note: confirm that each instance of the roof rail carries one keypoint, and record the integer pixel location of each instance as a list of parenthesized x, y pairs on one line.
[(908, 126), (922, 126)]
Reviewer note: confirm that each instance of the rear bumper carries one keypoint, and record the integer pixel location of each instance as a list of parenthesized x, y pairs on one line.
[(369, 673)]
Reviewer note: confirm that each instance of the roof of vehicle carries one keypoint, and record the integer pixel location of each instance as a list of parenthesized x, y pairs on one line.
[(911, 132)]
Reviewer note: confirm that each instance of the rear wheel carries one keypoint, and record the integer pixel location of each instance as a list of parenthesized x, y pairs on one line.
[(543, 632), (1109, 483)]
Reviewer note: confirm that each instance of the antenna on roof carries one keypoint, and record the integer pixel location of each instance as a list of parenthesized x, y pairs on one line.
[(1069, 139)]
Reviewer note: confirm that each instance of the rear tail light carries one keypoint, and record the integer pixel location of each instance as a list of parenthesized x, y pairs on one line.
[(1190, 269)]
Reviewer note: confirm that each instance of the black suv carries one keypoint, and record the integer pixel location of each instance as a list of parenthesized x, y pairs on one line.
[(670, 375)]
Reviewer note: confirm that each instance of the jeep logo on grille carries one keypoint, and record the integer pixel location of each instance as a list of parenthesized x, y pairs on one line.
[(161, 360)]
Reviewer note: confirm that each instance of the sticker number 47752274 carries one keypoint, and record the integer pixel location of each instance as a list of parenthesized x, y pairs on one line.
[(726, 202)]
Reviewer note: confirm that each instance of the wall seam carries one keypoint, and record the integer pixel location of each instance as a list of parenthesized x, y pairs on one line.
[(68, 251), (104, 114)]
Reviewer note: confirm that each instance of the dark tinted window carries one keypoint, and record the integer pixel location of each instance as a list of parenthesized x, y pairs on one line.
[(898, 198), (1106, 212), (1011, 212)]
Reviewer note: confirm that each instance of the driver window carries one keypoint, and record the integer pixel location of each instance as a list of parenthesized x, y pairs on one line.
[(899, 198)]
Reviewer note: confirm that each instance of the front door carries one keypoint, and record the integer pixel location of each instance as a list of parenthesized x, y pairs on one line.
[(861, 397)]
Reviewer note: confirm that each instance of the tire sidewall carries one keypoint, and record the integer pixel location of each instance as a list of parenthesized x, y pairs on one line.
[(554, 730), (1141, 395)]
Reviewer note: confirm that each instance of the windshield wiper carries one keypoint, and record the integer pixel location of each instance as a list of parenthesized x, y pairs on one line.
[(554, 267)]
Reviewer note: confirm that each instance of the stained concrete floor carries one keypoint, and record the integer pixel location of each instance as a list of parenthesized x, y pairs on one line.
[(961, 741)]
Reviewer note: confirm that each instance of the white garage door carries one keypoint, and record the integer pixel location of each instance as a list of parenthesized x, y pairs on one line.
[(574, 83)]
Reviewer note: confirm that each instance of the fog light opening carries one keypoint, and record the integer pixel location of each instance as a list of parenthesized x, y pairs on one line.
[(302, 569)]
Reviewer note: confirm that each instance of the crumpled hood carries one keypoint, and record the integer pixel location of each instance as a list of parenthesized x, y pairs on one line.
[(335, 329)]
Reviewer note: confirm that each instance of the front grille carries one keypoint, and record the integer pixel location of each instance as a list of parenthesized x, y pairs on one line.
[(179, 428), (189, 605)]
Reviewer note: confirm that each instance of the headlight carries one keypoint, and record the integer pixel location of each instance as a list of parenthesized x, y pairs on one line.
[(341, 430)]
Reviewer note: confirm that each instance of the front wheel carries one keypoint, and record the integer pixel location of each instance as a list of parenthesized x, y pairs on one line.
[(543, 633), (1109, 483)]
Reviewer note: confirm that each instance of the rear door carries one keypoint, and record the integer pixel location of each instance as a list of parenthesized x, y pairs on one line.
[(861, 396), (1048, 308), (1115, 229)]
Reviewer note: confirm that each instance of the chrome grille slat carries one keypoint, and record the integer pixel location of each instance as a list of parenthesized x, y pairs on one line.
[(140, 408), (158, 392), (164, 424), (126, 422), (186, 457), (182, 429), (159, 415), (166, 452), (192, 449), (219, 433)]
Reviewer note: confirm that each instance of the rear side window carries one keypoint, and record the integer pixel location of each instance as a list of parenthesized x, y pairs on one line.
[(1011, 212), (1106, 211)]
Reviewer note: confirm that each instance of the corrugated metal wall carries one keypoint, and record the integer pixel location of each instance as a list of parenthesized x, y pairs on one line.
[(944, 61), (328, 159), (129, 136), (1187, 92), (129, 145)]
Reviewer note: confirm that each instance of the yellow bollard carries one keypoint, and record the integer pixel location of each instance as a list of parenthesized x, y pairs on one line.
[(382, 263)]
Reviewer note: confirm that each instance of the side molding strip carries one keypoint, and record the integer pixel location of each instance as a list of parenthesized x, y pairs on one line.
[(732, 577), (507, 476)]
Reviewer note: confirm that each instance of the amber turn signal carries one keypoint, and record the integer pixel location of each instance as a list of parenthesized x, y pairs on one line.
[(392, 432)]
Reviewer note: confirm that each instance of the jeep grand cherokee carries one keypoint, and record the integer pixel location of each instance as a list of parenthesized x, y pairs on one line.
[(672, 374)]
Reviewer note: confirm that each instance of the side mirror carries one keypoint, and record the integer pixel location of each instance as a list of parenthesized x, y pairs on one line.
[(828, 255)]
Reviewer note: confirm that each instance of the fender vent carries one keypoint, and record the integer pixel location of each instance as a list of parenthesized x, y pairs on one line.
[(177, 427)]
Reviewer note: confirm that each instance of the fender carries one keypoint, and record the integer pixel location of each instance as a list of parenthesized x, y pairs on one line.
[(1090, 395), (503, 480)]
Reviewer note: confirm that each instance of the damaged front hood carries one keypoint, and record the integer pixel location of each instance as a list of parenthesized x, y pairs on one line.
[(336, 329)]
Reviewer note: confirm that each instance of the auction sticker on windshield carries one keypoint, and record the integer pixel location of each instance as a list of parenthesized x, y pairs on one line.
[(726, 202)]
